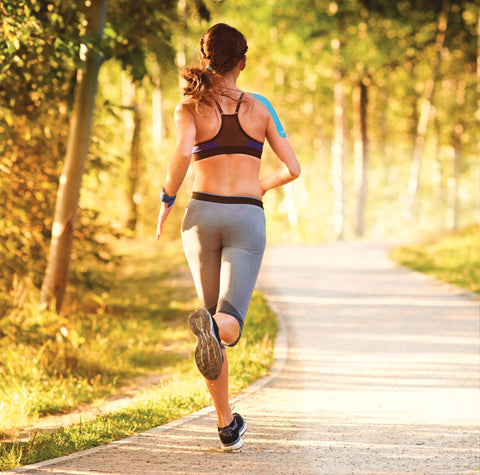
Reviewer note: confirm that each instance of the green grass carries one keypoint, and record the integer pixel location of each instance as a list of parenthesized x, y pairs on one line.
[(139, 327), (51, 363), (453, 258)]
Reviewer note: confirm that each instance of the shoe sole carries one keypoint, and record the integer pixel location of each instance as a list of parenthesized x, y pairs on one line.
[(238, 444), (208, 354)]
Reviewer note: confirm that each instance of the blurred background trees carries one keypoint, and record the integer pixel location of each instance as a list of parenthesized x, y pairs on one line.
[(380, 100)]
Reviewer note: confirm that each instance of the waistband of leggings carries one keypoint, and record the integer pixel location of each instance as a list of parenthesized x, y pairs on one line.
[(246, 200)]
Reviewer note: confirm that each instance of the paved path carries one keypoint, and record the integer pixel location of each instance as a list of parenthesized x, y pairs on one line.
[(380, 376)]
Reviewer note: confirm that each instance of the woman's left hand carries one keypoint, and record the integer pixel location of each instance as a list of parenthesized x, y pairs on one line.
[(162, 217)]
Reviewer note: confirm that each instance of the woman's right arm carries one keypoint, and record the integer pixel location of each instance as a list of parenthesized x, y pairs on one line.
[(179, 161)]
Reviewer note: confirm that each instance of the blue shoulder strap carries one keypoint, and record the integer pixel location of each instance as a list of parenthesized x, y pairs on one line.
[(274, 115)]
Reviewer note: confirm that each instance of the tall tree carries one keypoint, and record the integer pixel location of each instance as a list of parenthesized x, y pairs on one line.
[(56, 275), (457, 128), (182, 34), (133, 117), (360, 154), (338, 146), (478, 110), (425, 110), (157, 106)]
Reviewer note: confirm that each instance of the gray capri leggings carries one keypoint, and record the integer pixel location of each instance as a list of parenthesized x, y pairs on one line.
[(224, 240)]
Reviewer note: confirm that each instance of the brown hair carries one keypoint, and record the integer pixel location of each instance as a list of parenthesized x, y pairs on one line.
[(221, 48)]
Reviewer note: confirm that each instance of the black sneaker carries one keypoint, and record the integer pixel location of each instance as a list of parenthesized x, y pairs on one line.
[(208, 355), (231, 434)]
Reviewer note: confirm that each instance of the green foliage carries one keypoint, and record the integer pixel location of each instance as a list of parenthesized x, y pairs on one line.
[(36, 80), (453, 258), (38, 53), (153, 21)]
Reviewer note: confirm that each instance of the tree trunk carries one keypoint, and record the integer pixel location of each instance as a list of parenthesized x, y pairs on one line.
[(135, 159), (383, 146), (453, 181), (132, 117), (56, 274), (338, 149), (478, 110), (182, 38), (157, 108), (439, 180), (421, 131), (361, 156)]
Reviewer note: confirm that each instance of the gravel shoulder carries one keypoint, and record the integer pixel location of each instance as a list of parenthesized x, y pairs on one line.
[(377, 372)]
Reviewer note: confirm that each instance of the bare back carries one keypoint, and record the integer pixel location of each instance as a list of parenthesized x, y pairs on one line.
[(232, 173)]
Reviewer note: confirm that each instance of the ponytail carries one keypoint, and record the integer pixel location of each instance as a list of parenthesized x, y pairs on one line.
[(200, 84)]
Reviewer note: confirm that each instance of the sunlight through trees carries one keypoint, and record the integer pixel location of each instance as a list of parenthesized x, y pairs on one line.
[(380, 99)]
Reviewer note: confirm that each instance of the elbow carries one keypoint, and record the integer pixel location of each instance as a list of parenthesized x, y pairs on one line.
[(295, 172), (290, 173)]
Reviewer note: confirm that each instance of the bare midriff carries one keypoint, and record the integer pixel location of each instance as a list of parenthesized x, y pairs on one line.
[(228, 175)]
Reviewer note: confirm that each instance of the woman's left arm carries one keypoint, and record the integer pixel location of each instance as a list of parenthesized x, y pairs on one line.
[(179, 161), (289, 167)]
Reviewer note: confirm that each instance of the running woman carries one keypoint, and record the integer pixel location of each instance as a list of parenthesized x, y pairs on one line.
[(221, 131)]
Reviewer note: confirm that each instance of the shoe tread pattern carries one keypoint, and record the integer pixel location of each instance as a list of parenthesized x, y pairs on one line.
[(208, 354)]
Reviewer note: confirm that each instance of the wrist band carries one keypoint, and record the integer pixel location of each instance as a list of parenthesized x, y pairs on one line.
[(167, 199)]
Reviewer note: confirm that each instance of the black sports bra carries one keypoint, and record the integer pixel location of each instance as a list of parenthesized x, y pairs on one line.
[(231, 138)]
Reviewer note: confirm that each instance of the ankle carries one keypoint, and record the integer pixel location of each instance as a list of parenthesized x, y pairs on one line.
[(231, 435), (224, 420)]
